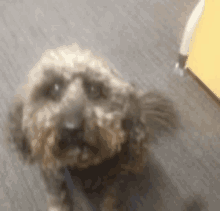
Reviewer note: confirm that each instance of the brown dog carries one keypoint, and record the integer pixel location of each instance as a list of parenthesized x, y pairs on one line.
[(75, 112)]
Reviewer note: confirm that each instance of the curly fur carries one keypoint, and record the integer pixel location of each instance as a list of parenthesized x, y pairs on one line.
[(76, 112)]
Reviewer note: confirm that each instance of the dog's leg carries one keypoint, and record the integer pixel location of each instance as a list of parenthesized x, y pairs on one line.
[(58, 195)]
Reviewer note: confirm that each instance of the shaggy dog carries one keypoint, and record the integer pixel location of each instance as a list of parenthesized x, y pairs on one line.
[(74, 112)]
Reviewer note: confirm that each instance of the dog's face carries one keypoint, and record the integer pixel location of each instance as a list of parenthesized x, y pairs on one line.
[(76, 111)]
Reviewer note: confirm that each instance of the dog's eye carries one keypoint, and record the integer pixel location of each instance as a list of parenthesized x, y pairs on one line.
[(95, 91), (54, 91), (48, 91)]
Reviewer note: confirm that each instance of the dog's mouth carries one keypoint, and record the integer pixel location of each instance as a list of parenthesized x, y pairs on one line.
[(72, 141), (70, 138)]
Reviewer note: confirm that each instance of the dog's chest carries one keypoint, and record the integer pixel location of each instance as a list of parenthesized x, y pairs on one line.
[(95, 179)]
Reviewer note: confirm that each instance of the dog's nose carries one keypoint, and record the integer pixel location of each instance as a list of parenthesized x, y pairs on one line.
[(70, 137), (74, 120), (71, 125)]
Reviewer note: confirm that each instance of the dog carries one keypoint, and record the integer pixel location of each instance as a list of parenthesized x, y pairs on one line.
[(75, 112)]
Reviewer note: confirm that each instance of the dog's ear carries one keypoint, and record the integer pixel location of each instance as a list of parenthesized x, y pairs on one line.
[(158, 113), (155, 114), (15, 135)]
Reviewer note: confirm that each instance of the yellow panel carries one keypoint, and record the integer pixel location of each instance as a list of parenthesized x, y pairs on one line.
[(204, 54)]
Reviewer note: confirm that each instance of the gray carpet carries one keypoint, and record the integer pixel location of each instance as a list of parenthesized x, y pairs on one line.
[(141, 38)]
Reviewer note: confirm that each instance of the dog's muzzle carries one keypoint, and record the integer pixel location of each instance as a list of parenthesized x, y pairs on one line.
[(71, 138)]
